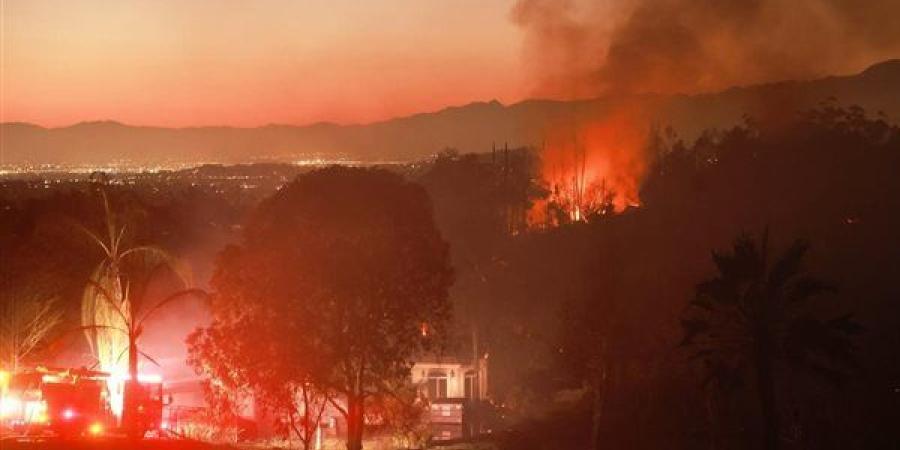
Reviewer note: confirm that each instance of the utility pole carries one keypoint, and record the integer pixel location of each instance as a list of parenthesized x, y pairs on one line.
[(506, 194), (476, 362)]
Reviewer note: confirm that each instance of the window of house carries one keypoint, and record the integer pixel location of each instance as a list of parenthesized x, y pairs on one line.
[(471, 392), (437, 384)]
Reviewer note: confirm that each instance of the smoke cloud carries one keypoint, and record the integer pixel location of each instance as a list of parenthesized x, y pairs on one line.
[(579, 48)]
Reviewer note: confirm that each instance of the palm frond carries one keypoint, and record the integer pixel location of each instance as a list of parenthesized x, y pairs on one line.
[(119, 238), (149, 358), (100, 327), (121, 354), (108, 298), (787, 266), (200, 293), (60, 338), (109, 217), (812, 343), (154, 253), (106, 249), (806, 287)]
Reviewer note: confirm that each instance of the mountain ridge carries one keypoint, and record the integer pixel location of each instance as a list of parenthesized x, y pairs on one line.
[(470, 127)]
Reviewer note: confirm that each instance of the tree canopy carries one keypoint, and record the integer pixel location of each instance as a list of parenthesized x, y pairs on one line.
[(337, 274)]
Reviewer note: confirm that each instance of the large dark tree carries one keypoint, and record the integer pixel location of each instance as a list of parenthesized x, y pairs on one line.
[(756, 313), (343, 268)]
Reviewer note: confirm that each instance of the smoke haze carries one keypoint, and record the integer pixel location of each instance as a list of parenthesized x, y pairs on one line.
[(588, 48)]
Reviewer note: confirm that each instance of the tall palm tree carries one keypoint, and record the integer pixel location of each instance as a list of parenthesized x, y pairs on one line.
[(118, 286), (755, 314)]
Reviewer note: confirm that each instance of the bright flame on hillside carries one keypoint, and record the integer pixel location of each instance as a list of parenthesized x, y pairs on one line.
[(591, 169)]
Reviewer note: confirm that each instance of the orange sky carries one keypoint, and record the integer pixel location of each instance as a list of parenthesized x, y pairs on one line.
[(249, 63)]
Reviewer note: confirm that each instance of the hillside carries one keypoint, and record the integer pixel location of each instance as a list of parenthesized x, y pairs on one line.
[(472, 127)]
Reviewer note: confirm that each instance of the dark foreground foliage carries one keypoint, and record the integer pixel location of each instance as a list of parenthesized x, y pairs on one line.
[(599, 305), (582, 323)]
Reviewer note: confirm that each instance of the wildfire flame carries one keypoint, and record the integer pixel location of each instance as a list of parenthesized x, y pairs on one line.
[(594, 168)]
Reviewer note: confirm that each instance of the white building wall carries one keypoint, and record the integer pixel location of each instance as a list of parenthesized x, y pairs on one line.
[(455, 374)]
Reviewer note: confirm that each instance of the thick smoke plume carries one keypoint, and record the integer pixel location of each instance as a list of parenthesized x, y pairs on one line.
[(582, 49), (578, 48)]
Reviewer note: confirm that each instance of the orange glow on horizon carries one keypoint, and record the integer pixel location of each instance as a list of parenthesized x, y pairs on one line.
[(198, 63)]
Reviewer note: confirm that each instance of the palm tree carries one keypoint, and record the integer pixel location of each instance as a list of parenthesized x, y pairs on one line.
[(118, 286), (754, 314)]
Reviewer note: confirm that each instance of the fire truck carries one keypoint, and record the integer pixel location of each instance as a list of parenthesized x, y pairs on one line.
[(71, 403), (149, 401)]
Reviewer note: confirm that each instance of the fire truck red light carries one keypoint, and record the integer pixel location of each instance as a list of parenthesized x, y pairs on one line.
[(95, 429)]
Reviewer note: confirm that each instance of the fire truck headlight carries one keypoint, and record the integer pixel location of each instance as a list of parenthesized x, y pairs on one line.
[(35, 411), (9, 406), (96, 429)]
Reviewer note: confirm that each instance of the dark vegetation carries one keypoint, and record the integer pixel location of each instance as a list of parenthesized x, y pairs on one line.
[(325, 295), (751, 301)]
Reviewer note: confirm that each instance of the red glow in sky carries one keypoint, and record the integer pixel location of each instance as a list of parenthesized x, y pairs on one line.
[(196, 62)]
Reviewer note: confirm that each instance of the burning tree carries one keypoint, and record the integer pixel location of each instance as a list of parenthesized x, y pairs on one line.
[(593, 169), (116, 291), (328, 289)]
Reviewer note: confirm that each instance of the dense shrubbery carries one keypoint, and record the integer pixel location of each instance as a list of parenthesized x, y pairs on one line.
[(618, 285)]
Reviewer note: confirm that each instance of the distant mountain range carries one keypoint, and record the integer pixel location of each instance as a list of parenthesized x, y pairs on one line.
[(473, 127)]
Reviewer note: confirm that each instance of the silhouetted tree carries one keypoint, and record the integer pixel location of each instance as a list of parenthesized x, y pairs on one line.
[(342, 266), (755, 312), (27, 318)]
